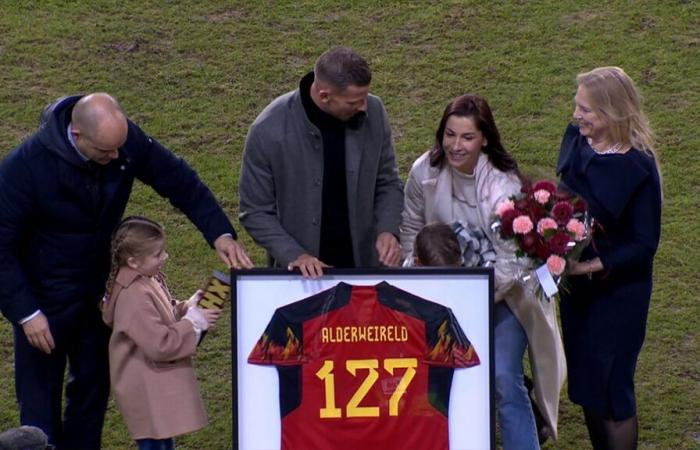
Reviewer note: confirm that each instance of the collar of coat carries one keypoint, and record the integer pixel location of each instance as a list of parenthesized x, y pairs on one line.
[(617, 177), (126, 276)]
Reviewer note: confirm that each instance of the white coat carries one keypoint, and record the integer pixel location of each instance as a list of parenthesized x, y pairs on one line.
[(428, 198)]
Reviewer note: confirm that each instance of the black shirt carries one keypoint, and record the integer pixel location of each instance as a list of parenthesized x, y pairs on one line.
[(335, 247)]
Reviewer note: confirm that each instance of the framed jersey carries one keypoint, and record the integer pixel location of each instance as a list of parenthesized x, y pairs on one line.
[(389, 359)]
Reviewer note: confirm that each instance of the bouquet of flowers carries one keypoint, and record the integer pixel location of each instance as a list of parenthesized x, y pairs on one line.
[(549, 227)]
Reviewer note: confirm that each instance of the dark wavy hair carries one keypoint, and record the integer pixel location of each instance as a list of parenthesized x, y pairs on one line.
[(478, 109)]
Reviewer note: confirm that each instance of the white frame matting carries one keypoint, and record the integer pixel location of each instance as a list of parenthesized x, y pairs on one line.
[(257, 293)]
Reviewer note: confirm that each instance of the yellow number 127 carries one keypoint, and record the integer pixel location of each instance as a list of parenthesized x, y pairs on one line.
[(352, 409)]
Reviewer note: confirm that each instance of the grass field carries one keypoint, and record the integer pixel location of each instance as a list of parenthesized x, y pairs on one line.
[(195, 75)]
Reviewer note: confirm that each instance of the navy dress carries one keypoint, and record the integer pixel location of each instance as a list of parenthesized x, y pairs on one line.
[(604, 319)]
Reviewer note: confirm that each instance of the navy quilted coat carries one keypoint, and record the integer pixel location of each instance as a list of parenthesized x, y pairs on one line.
[(58, 212)]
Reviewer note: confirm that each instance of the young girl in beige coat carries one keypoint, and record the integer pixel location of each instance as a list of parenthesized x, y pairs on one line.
[(153, 340)]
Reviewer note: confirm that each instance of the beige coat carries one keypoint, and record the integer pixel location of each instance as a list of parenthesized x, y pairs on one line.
[(428, 198), (150, 359)]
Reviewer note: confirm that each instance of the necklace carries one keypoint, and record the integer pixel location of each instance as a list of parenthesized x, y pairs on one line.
[(608, 151)]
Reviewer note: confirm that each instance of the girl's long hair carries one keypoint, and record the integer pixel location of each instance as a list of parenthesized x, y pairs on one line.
[(134, 237)]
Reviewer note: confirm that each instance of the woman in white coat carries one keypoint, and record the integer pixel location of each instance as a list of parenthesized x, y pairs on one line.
[(463, 178)]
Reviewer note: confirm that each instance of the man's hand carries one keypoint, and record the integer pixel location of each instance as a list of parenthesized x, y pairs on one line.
[(310, 266), (388, 249), (38, 333), (232, 253)]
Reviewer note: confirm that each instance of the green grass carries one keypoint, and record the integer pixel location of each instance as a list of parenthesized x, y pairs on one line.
[(195, 75)]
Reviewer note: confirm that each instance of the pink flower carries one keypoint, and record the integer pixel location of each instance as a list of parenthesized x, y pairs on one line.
[(556, 265), (504, 206), (542, 196), (562, 212), (546, 224), (577, 228), (522, 225)]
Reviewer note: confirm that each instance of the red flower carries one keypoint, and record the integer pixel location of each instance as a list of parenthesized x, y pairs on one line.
[(523, 204), (542, 251), (559, 243), (507, 222), (537, 212), (529, 242), (562, 212), (546, 185)]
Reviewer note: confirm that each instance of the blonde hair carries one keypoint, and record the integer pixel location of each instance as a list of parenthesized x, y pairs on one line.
[(616, 99), (134, 237)]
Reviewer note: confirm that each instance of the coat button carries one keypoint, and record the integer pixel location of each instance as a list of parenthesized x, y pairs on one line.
[(317, 182), (314, 221)]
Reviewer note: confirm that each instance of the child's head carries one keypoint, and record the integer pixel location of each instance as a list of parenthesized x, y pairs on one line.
[(139, 243), (437, 245)]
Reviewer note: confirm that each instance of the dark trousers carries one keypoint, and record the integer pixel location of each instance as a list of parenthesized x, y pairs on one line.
[(155, 444), (81, 340)]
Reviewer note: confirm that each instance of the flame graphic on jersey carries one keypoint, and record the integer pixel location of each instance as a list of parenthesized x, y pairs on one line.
[(450, 352), (268, 350)]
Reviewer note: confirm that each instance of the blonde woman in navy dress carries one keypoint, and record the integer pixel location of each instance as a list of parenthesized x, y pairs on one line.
[(607, 156)]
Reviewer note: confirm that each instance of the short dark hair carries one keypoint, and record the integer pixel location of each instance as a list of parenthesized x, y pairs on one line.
[(342, 67), (437, 245)]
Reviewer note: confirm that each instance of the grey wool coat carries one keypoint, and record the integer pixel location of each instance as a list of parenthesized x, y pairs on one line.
[(281, 181)]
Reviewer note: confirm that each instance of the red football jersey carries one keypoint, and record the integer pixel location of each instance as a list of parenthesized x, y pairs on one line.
[(364, 365)]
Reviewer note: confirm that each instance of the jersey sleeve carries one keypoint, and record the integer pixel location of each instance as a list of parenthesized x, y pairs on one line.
[(279, 345), (448, 346)]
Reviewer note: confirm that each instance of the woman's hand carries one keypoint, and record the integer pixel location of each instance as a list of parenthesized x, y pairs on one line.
[(585, 267)]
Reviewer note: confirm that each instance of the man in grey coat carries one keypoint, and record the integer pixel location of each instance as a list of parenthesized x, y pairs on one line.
[(319, 186)]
